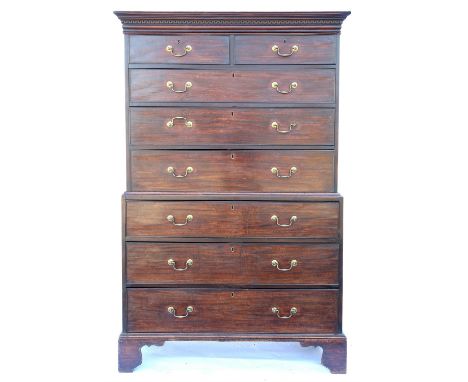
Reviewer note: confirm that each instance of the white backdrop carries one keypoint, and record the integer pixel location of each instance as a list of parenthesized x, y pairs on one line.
[(403, 159)]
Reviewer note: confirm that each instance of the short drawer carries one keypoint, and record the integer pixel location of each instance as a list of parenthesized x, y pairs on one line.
[(238, 264), (167, 126), (270, 49), (181, 49), (240, 311), (214, 219), (233, 170), (280, 86)]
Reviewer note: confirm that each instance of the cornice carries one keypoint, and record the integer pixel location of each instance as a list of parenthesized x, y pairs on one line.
[(239, 22)]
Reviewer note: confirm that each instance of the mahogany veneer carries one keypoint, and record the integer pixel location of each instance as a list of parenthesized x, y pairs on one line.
[(150, 85), (222, 170), (232, 227), (312, 49), (232, 310), (218, 127), (232, 263), (318, 220), (205, 49)]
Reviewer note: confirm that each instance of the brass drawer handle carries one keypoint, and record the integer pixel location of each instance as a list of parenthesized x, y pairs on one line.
[(186, 121), (292, 85), (275, 263), (171, 170), (171, 219), (188, 264), (170, 49), (292, 171), (293, 49), (188, 310), (292, 312), (275, 126), (187, 86), (292, 220)]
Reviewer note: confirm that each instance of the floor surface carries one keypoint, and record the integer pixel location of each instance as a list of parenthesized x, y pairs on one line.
[(259, 361)]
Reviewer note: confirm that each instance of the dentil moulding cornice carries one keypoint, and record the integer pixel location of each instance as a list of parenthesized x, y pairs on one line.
[(237, 22)]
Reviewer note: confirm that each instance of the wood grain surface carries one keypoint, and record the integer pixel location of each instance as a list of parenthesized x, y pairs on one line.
[(258, 49), (205, 49), (231, 126), (233, 170), (232, 310), (228, 263), (313, 86), (233, 219)]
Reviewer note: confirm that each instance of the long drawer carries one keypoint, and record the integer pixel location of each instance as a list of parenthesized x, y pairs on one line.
[(239, 311), (237, 264), (241, 126), (280, 86), (243, 219), (233, 170)]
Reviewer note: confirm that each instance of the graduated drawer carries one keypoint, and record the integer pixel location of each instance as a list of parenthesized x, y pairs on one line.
[(240, 126), (164, 85), (233, 170), (239, 311), (237, 264), (214, 219), (270, 49), (179, 49)]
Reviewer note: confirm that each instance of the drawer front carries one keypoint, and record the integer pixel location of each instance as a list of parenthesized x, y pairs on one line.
[(217, 171), (152, 219), (219, 126), (182, 49), (241, 264), (239, 311), (151, 85), (285, 49)]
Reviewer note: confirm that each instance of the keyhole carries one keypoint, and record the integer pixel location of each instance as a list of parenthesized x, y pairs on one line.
[(233, 75), (232, 156), (232, 208), (232, 248), (232, 113), (284, 41), (232, 294)]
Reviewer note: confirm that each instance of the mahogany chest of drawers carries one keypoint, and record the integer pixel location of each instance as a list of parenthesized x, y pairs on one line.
[(232, 224)]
